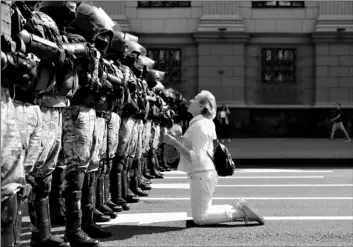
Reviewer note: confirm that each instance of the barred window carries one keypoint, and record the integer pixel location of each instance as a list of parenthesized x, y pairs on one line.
[(278, 4), (278, 65), (169, 61), (163, 4)]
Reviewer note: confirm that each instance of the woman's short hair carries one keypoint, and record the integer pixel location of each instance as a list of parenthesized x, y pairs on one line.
[(208, 104)]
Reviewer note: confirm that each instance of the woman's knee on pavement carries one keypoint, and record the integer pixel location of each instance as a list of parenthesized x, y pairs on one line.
[(199, 219)]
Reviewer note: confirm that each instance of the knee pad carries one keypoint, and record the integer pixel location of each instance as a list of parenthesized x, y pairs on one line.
[(120, 166), (88, 190), (109, 166), (75, 180), (8, 211), (43, 187)]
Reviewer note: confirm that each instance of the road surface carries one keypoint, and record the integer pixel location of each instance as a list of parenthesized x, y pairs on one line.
[(301, 207)]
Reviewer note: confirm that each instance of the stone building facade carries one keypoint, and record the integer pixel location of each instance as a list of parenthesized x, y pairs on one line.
[(223, 48)]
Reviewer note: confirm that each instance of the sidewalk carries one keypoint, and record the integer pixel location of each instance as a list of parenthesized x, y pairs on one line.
[(288, 148)]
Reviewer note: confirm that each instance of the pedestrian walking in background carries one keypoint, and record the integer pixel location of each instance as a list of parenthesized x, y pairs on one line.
[(223, 121), (196, 150), (338, 123)]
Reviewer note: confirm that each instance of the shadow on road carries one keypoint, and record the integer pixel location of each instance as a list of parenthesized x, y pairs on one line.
[(122, 232), (191, 224)]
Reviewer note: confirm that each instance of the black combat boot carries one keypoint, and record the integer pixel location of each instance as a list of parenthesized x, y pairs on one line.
[(100, 217), (161, 160), (73, 194), (100, 204), (56, 198), (130, 196), (134, 185), (107, 200), (9, 210), (22, 195), (146, 164), (116, 190), (38, 208), (142, 177), (88, 225), (143, 182), (145, 186), (154, 166)]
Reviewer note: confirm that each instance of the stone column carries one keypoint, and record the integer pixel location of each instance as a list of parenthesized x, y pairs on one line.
[(116, 11), (335, 14), (220, 37), (333, 39)]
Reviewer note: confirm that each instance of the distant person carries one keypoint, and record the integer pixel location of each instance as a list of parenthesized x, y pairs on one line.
[(223, 121), (338, 123)]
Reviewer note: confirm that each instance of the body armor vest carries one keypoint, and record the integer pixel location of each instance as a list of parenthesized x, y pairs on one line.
[(51, 80)]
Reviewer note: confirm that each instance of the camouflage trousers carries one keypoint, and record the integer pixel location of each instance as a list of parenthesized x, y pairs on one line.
[(140, 136), (147, 134), (113, 127), (125, 136), (100, 145), (51, 142), (132, 145), (78, 141), (29, 121), (156, 135), (12, 152)]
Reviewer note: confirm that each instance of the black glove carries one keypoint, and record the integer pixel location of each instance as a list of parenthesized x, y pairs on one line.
[(19, 68)]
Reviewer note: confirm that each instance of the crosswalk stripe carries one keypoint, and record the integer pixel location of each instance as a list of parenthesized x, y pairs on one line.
[(252, 177), (187, 186), (265, 171), (246, 198)]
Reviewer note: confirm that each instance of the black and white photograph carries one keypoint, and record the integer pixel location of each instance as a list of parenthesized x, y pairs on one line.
[(176, 123)]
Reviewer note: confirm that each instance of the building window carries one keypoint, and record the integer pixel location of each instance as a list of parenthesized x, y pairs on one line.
[(278, 4), (169, 61), (163, 4), (278, 65)]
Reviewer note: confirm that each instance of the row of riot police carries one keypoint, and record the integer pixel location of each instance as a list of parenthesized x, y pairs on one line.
[(82, 113)]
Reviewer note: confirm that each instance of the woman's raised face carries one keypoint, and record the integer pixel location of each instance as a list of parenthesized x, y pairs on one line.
[(194, 105)]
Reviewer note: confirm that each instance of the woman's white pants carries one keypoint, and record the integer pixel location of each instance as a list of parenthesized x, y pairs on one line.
[(202, 187)]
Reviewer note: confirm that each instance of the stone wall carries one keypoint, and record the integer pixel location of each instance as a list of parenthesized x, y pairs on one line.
[(276, 20), (334, 73), (302, 92), (221, 71), (166, 20), (189, 86)]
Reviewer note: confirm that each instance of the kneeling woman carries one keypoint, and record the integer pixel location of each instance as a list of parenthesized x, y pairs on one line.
[(196, 144)]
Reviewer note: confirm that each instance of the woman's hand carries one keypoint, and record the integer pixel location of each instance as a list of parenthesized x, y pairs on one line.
[(168, 139)]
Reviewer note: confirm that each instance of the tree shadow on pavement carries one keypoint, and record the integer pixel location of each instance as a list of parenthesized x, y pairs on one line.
[(122, 232)]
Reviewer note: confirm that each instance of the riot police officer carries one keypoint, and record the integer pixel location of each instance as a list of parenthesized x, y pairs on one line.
[(79, 128), (17, 70), (62, 12)]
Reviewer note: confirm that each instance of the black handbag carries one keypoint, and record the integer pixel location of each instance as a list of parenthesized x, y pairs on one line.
[(222, 159)]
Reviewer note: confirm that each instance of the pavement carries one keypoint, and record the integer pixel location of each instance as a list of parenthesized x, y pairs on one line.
[(302, 207), (289, 148)]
